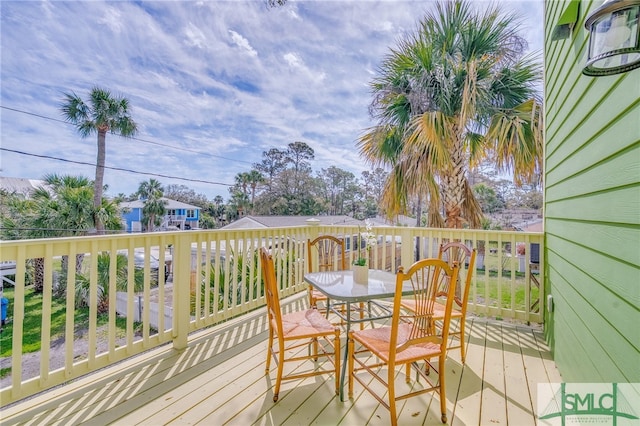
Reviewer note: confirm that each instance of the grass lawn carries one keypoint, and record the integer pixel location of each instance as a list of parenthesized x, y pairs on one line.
[(520, 288), (33, 320)]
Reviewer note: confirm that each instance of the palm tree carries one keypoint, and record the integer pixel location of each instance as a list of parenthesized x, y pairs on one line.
[(103, 113), (83, 281), (152, 191), (457, 91), (254, 178), (62, 207)]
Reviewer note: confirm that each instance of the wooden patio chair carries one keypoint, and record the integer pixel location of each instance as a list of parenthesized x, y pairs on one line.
[(411, 338), (452, 253), (295, 330), (326, 253)]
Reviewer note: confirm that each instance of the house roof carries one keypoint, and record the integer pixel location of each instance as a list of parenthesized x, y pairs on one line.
[(171, 204), (284, 221), (535, 226), (249, 222), (20, 186)]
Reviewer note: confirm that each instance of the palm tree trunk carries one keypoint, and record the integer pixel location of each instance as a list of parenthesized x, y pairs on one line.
[(38, 274), (98, 184), (453, 189)]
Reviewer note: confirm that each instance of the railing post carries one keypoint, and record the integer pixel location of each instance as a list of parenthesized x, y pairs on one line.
[(181, 290), (314, 228), (406, 251)]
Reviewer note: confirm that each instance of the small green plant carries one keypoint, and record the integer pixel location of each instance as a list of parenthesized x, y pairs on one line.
[(83, 282), (368, 239)]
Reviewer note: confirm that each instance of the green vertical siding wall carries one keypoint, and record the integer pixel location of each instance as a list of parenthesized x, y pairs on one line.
[(592, 210)]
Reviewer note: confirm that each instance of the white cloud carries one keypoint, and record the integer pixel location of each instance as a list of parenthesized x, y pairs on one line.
[(112, 18), (243, 43), (212, 84), (297, 64), (195, 37)]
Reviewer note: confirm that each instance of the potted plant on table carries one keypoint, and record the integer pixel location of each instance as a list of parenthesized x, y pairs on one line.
[(360, 266)]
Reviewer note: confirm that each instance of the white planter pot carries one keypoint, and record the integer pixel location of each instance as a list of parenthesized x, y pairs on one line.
[(360, 274)]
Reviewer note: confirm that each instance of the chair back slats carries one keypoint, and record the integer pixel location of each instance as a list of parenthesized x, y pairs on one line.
[(271, 290), (326, 253), (457, 252), (428, 278)]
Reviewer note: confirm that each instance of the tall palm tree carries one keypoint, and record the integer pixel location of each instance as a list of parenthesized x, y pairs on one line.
[(254, 178), (240, 192), (152, 191), (101, 114), (457, 91)]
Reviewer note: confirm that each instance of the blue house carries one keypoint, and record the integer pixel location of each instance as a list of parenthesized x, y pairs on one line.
[(177, 216)]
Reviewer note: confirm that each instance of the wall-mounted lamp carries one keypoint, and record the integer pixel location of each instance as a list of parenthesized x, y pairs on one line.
[(614, 44)]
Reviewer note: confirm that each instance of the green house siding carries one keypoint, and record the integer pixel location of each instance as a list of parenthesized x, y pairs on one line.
[(592, 210)]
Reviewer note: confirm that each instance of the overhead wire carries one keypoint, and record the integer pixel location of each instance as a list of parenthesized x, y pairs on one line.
[(181, 149), (114, 168)]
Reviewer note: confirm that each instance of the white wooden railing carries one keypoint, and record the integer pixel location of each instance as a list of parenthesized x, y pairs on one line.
[(165, 311)]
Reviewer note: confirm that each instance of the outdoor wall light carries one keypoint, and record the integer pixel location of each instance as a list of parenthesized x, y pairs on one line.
[(614, 44)]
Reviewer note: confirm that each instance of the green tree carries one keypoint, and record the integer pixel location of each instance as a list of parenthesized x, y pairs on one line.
[(185, 194), (151, 192), (298, 156), (83, 281), (338, 187), (457, 91), (273, 162), (63, 207), (101, 114), (488, 198), (254, 178)]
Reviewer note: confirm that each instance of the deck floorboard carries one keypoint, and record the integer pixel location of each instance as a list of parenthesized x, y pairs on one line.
[(219, 379)]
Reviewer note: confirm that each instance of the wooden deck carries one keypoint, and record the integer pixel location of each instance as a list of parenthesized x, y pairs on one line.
[(219, 379)]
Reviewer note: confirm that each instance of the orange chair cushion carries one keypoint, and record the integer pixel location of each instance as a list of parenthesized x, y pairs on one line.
[(305, 323), (377, 341)]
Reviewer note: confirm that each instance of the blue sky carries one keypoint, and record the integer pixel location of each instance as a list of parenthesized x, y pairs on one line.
[(212, 84)]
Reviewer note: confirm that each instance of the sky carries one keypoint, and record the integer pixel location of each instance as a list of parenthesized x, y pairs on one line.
[(211, 84)]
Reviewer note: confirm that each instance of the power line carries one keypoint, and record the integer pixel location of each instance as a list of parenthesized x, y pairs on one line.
[(133, 138), (115, 168)]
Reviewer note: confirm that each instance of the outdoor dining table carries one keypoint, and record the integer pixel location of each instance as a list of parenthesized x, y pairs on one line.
[(342, 291)]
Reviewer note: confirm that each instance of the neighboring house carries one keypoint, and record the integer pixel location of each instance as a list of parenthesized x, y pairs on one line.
[(279, 221), (20, 186), (592, 205), (530, 226), (177, 215)]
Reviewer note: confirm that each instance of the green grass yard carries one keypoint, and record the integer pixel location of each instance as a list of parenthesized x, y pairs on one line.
[(488, 289), (32, 333)]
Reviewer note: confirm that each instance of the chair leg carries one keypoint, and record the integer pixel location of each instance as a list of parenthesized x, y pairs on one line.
[(462, 350), (312, 301), (269, 349), (443, 396), (392, 395), (361, 315), (281, 354)]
